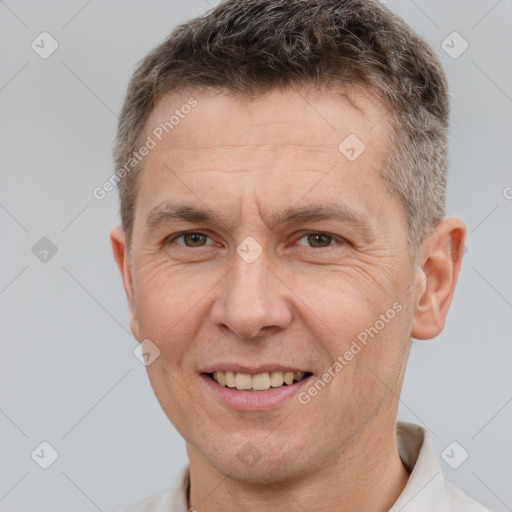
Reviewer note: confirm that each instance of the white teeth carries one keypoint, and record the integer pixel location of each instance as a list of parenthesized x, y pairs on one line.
[(243, 381), (230, 379), (276, 379), (260, 382), (288, 378), (221, 378)]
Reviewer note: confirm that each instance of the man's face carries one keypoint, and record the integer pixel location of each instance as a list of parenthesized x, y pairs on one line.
[(295, 296)]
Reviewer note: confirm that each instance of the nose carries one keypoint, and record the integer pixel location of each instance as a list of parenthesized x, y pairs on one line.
[(252, 299)]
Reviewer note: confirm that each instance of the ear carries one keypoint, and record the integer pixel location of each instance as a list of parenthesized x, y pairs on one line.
[(122, 257), (440, 263)]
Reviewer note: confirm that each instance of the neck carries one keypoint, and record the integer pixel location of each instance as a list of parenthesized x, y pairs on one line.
[(368, 475)]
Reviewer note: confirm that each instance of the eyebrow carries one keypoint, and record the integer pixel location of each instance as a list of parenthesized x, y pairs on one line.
[(169, 212)]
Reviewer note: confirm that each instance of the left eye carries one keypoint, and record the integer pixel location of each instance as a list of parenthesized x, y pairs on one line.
[(192, 239), (318, 240)]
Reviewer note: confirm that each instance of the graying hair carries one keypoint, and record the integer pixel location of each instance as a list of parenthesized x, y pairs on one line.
[(249, 47)]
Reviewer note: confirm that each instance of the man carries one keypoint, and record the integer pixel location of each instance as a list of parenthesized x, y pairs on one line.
[(282, 171)]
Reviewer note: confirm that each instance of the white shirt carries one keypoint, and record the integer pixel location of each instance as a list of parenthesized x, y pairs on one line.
[(426, 489)]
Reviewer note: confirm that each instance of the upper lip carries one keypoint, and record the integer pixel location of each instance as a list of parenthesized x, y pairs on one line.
[(252, 370)]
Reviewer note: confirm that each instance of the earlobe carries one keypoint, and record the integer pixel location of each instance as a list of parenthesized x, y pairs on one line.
[(437, 277), (121, 256)]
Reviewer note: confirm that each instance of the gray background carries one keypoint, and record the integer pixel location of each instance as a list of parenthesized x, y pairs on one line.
[(67, 372)]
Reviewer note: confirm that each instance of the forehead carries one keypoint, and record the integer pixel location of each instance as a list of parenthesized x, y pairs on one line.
[(292, 119), (275, 148)]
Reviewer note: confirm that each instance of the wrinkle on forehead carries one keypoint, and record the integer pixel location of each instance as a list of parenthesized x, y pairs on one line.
[(295, 158), (287, 115)]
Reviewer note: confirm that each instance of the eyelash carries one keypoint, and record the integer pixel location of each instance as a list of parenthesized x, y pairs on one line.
[(334, 238)]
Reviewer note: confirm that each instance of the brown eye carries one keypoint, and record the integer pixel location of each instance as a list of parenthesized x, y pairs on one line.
[(194, 239), (319, 240), (191, 239)]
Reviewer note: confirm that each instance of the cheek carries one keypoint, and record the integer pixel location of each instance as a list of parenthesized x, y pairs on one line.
[(168, 306), (364, 328), (341, 300)]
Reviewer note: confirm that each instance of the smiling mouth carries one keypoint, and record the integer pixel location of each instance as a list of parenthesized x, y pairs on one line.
[(259, 382)]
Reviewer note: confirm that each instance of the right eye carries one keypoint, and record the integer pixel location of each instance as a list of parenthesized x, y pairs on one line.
[(191, 239)]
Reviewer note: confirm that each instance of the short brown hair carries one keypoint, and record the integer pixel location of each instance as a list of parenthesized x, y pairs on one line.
[(248, 47)]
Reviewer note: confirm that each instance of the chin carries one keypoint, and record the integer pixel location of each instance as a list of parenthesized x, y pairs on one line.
[(260, 464), (264, 473)]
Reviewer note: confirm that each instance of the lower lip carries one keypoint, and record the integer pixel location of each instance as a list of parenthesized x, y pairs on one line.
[(254, 400)]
